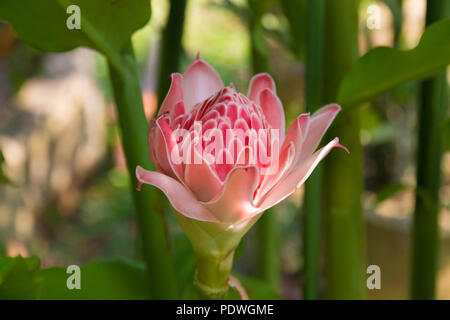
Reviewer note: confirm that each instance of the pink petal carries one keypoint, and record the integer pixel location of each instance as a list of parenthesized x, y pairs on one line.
[(200, 81), (295, 179), (177, 110), (171, 147), (180, 198), (318, 125), (269, 181), (273, 111), (245, 157), (235, 203), (297, 134), (174, 95), (289, 154), (158, 153), (232, 113), (258, 83), (224, 162), (201, 179)]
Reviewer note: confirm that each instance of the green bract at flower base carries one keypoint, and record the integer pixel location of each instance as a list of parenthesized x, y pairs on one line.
[(214, 246)]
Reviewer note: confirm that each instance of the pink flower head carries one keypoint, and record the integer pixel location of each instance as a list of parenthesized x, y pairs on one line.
[(224, 157)]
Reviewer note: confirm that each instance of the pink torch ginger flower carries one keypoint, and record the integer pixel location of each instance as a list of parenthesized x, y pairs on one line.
[(211, 175), (223, 158)]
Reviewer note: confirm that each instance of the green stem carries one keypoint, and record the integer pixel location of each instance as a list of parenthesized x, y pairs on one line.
[(267, 250), (171, 46), (314, 99), (345, 236), (344, 223), (134, 127), (425, 239), (214, 245), (211, 277), (266, 228)]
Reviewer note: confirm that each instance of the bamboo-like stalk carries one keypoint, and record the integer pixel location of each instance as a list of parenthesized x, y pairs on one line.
[(314, 99), (134, 127), (344, 238), (267, 250), (425, 236), (171, 47), (267, 233)]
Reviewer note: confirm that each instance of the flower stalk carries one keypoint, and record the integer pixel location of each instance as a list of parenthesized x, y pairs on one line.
[(313, 194), (214, 246), (127, 93), (212, 275), (425, 232), (171, 46), (344, 223)]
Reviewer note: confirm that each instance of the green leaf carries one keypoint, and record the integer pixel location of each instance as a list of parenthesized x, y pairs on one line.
[(382, 68), (18, 278), (389, 190), (106, 25), (112, 279), (446, 135)]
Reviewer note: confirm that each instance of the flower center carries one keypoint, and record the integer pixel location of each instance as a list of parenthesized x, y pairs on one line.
[(229, 130)]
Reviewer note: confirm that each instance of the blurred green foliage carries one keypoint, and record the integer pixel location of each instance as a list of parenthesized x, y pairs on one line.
[(384, 68), (18, 278), (446, 134), (110, 279)]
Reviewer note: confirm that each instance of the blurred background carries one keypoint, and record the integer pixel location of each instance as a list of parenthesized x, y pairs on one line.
[(68, 199)]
